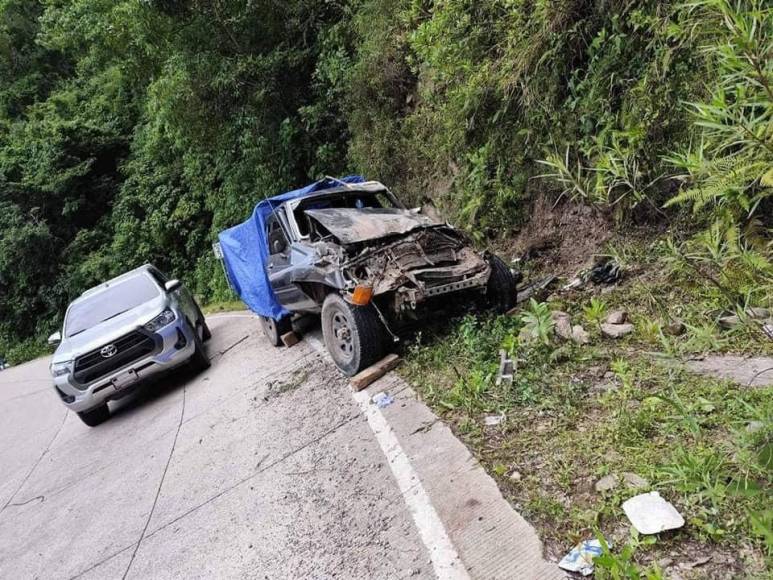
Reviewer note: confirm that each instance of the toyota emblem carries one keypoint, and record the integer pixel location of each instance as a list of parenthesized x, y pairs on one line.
[(108, 351)]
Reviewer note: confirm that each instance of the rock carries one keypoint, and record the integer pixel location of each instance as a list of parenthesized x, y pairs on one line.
[(515, 476), (758, 313), (579, 335), (755, 426), (634, 481), (664, 563), (729, 322), (563, 324), (606, 483), (616, 330), (617, 317), (675, 328)]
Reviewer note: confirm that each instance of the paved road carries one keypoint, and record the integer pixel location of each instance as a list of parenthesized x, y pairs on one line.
[(265, 466)]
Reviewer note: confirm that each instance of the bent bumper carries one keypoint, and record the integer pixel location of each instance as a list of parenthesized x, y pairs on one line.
[(121, 381)]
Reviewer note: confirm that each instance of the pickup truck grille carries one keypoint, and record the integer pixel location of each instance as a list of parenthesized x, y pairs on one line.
[(129, 348)]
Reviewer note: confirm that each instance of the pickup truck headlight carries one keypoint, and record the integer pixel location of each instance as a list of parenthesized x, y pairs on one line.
[(59, 369), (165, 318)]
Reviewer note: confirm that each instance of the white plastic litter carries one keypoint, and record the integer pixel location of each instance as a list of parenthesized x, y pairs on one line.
[(493, 420), (651, 514), (382, 400), (580, 559)]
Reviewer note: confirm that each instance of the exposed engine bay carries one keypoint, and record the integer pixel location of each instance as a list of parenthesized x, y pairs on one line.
[(402, 256)]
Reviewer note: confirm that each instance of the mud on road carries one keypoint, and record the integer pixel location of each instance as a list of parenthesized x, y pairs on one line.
[(265, 466)]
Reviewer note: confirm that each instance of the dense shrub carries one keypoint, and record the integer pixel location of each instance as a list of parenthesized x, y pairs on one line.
[(135, 131)]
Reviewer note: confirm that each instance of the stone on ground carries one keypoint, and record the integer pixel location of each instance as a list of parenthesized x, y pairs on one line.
[(617, 317), (616, 330)]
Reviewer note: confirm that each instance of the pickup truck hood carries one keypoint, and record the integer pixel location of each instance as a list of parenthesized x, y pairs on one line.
[(108, 330), (351, 226)]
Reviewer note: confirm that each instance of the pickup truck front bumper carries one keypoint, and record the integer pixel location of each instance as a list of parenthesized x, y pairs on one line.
[(176, 344)]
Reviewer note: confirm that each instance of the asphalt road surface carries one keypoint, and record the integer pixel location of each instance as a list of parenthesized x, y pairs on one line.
[(265, 466)]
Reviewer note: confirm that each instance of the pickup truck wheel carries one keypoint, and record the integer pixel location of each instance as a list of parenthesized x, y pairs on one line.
[(501, 291), (199, 361), (274, 329), (95, 416), (203, 321), (353, 335)]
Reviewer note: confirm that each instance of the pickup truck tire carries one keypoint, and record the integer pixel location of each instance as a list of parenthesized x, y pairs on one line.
[(203, 321), (274, 329), (199, 361), (354, 335), (95, 416), (501, 291)]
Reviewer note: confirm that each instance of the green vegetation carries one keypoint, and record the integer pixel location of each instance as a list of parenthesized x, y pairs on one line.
[(135, 131), (575, 413)]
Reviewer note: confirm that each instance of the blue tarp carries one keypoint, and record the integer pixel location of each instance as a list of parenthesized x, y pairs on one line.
[(245, 250)]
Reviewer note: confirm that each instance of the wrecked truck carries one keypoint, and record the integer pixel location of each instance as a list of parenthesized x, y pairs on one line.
[(351, 251)]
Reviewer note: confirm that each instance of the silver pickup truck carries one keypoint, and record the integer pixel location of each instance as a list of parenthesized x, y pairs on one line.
[(120, 332)]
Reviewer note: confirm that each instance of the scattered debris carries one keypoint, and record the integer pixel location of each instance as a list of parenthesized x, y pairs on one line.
[(506, 369), (616, 330), (382, 400), (374, 372), (758, 313), (515, 476), (634, 481), (606, 272), (532, 289), (493, 420), (580, 559), (651, 514), (617, 317), (606, 483), (573, 284), (729, 322), (290, 339)]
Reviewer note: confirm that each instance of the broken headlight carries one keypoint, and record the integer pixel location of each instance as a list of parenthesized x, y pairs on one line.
[(165, 318)]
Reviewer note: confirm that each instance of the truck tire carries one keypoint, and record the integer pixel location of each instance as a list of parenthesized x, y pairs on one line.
[(354, 335), (203, 321), (501, 291), (199, 361), (95, 416), (274, 329)]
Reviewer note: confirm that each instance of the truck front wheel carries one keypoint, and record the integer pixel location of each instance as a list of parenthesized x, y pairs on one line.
[(95, 416), (354, 335), (501, 291)]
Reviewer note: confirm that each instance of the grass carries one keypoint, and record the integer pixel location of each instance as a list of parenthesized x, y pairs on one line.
[(223, 306), (577, 413)]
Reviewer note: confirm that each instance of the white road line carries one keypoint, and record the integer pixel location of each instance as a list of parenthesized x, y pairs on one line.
[(445, 560)]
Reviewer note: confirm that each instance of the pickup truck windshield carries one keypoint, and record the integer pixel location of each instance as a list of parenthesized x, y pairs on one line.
[(109, 303)]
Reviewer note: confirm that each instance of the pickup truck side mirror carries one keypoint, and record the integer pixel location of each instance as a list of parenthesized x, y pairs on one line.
[(173, 285), (55, 338)]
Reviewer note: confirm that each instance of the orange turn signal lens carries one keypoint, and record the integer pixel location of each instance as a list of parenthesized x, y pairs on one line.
[(362, 295)]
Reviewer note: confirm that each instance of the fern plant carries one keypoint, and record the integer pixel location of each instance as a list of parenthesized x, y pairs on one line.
[(731, 169)]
